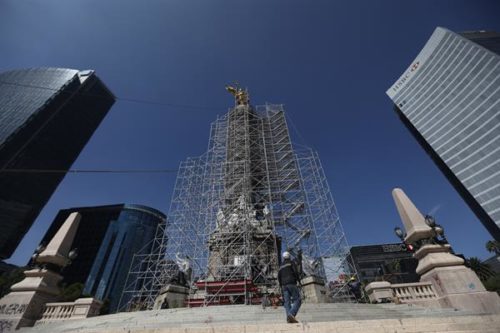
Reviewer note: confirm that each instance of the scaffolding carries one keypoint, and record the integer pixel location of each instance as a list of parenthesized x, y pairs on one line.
[(235, 208)]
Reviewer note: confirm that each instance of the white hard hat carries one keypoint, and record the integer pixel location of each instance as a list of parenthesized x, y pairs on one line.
[(286, 255)]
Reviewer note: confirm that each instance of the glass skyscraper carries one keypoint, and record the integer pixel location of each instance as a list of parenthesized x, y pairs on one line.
[(107, 239), (47, 115), (449, 98)]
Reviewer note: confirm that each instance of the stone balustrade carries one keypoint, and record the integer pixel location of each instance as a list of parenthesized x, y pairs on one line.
[(412, 293), (58, 311), (81, 308)]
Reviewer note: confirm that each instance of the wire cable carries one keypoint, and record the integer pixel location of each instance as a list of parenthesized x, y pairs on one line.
[(123, 99), (52, 171), (78, 92)]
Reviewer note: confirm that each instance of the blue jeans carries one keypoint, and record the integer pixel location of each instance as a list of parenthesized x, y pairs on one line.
[(291, 299)]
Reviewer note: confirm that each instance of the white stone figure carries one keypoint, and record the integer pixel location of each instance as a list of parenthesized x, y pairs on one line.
[(253, 221), (183, 263), (233, 219), (310, 265), (220, 219), (267, 217), (241, 202), (185, 269), (263, 267)]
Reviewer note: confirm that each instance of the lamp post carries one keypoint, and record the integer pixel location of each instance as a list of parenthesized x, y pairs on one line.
[(437, 235), (402, 235), (72, 255), (399, 233), (437, 231), (39, 249)]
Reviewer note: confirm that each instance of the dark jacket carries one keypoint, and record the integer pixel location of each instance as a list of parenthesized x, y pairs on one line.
[(288, 273)]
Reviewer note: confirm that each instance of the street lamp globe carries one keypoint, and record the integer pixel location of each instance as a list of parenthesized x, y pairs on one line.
[(399, 232), (430, 221)]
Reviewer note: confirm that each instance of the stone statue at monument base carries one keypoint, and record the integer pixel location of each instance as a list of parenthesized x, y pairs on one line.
[(24, 305)]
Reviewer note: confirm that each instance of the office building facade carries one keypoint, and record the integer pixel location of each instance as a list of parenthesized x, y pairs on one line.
[(388, 262), (47, 115), (107, 239), (449, 99)]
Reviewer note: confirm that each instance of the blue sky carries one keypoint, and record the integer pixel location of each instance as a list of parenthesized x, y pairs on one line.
[(329, 62)]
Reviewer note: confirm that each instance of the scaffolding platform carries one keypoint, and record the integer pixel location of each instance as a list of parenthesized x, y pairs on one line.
[(224, 293), (235, 208)]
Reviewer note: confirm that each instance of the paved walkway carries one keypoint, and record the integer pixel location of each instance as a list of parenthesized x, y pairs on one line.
[(355, 318)]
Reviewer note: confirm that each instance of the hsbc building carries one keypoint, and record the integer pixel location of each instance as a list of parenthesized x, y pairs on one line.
[(449, 99)]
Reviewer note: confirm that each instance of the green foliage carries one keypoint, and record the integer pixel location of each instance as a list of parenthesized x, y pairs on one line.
[(71, 293), (8, 279), (493, 283), (493, 247), (483, 271), (395, 266), (105, 307)]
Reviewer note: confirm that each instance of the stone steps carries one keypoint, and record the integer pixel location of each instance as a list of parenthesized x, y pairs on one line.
[(313, 318)]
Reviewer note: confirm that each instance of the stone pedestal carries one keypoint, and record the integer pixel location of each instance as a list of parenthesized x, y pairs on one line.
[(174, 295), (459, 287), (314, 289), (379, 292), (433, 255), (24, 305)]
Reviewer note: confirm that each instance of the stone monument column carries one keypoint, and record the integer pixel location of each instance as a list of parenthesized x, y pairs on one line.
[(457, 286), (314, 289), (24, 305)]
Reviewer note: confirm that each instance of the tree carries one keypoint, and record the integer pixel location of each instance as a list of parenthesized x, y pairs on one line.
[(493, 247), (10, 278), (395, 266), (493, 283), (104, 308), (71, 293), (483, 271)]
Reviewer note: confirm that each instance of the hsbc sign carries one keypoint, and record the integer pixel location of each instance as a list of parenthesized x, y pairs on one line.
[(404, 78), (438, 36), (415, 66)]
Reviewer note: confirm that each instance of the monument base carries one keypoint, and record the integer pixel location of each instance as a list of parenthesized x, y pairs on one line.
[(314, 289), (22, 309), (25, 304), (482, 302), (171, 296), (460, 288), (430, 256)]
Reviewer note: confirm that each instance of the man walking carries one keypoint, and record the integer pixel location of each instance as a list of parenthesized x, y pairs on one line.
[(288, 277)]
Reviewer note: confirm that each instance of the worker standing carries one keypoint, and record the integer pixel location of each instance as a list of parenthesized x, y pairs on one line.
[(288, 278)]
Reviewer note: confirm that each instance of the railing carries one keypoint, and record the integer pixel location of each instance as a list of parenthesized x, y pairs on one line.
[(58, 311), (411, 292), (81, 308), (383, 291)]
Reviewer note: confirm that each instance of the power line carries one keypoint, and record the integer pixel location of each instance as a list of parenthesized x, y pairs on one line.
[(123, 99), (184, 106), (79, 92), (55, 171)]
